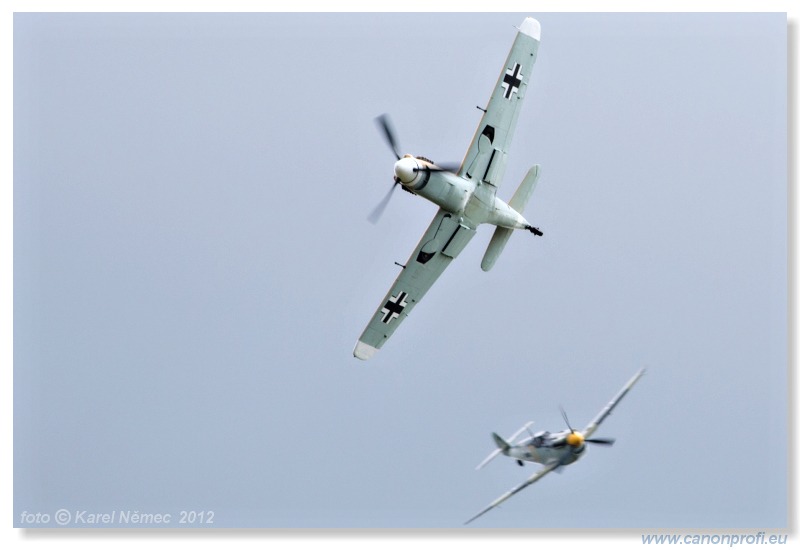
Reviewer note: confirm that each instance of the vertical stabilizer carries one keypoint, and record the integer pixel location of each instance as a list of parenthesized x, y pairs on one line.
[(518, 203), (501, 443)]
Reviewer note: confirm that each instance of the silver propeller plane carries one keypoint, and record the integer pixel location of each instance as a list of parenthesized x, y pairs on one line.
[(553, 450), (466, 195)]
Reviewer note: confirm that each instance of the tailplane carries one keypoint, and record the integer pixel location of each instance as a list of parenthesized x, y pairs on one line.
[(502, 445), (525, 189), (518, 203)]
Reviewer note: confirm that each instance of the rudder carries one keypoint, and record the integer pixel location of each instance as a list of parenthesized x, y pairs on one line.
[(518, 202), (501, 443)]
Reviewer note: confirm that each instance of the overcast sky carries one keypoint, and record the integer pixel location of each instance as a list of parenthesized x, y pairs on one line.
[(193, 265)]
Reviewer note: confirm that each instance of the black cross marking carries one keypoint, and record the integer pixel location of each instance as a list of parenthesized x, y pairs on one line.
[(394, 307), (512, 80)]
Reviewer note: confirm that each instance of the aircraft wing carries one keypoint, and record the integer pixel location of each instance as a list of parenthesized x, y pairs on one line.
[(486, 157), (444, 239), (595, 423), (530, 481)]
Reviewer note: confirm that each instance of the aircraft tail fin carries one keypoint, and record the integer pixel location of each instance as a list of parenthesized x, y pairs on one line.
[(518, 203), (502, 445)]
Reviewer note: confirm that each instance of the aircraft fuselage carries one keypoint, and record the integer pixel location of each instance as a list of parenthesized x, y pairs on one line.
[(475, 202), (545, 449)]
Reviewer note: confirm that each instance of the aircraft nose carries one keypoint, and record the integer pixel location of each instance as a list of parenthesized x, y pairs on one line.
[(575, 439), (405, 168)]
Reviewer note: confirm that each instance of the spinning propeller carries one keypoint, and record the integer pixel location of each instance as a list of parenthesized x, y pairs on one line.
[(576, 439), (388, 133), (405, 169), (568, 447)]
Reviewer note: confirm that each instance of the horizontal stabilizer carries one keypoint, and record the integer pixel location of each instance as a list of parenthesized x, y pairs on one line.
[(518, 203), (525, 189), (502, 445), (496, 246)]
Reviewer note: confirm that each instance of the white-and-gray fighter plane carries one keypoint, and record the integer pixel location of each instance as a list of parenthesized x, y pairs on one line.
[(553, 450), (466, 195)]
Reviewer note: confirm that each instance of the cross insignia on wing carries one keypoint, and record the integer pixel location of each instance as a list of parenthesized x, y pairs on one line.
[(394, 307), (512, 80)]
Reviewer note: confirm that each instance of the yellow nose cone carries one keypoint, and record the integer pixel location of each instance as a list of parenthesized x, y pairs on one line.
[(575, 439)]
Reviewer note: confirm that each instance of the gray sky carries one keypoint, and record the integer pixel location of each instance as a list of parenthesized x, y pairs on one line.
[(193, 265)]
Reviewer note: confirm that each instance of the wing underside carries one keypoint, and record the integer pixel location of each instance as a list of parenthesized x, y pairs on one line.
[(530, 481), (603, 414), (485, 162), (486, 157), (442, 242)]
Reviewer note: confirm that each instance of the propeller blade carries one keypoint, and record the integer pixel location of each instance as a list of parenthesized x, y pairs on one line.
[(388, 133), (601, 440), (566, 420), (377, 212)]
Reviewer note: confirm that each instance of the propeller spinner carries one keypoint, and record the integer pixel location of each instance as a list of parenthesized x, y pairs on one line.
[(405, 169), (576, 439)]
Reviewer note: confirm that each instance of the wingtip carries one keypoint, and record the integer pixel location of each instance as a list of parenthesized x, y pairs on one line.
[(532, 28), (476, 516), (473, 518), (363, 351)]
